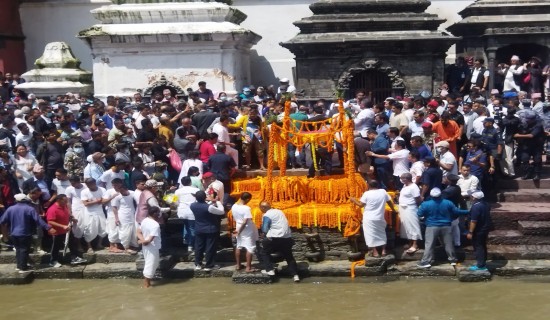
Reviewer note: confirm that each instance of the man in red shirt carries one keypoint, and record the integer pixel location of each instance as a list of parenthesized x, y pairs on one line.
[(208, 148), (58, 216)]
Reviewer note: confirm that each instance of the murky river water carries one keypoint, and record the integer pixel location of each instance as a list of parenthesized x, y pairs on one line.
[(319, 298)]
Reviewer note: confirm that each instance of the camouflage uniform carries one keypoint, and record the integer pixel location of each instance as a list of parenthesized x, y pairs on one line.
[(74, 162)]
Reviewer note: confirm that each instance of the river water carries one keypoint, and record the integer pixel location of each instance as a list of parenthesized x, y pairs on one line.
[(315, 298)]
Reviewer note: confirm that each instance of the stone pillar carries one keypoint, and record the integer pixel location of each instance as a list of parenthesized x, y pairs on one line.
[(491, 56), (12, 47)]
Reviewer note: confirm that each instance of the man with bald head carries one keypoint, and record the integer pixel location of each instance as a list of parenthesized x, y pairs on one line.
[(109, 117), (276, 237)]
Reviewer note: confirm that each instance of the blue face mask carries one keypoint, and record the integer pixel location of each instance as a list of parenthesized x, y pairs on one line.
[(127, 121), (49, 114)]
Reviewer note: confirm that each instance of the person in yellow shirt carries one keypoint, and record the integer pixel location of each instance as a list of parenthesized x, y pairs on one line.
[(165, 130), (254, 135)]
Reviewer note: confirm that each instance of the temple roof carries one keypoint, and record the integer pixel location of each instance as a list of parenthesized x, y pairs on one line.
[(485, 17), (370, 21)]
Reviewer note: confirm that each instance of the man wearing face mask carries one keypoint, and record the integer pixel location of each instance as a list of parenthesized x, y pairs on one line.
[(74, 161), (45, 118)]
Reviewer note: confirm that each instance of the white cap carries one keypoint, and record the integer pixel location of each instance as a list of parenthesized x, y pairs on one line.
[(436, 192), (477, 194), (514, 57), (284, 80), (20, 197)]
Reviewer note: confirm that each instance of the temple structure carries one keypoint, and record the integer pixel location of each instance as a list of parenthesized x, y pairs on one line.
[(57, 72), (390, 47), (497, 29), (149, 46)]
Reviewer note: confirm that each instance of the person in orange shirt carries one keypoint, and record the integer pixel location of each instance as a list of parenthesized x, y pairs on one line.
[(448, 130)]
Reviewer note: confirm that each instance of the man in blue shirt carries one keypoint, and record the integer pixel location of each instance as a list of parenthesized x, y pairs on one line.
[(380, 145), (438, 214), (22, 219)]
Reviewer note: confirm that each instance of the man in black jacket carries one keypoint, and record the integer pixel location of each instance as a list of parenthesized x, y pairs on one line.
[(207, 230)]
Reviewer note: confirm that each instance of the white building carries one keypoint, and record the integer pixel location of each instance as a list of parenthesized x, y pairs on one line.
[(61, 20)]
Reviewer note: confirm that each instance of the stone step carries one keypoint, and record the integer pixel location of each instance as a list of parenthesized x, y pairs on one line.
[(518, 183), (534, 228), (515, 237), (525, 195), (518, 252), (506, 215)]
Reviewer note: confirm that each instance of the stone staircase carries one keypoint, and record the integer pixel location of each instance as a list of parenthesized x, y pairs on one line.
[(522, 219)]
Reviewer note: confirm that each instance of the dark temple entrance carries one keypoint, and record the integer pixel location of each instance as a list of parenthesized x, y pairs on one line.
[(376, 84)]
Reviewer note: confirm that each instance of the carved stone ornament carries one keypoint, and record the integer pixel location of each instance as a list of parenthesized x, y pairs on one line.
[(371, 64), (163, 83)]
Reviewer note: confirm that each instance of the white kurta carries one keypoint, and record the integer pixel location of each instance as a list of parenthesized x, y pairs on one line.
[(249, 235), (374, 223), (410, 224)]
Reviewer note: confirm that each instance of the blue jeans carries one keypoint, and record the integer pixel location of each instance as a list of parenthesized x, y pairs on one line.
[(189, 232)]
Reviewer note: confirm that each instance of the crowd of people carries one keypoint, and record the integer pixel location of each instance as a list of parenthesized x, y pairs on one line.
[(100, 171)]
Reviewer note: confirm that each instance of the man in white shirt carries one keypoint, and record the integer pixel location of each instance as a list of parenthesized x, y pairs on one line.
[(115, 172), (221, 130), (400, 161), (511, 72), (61, 181), (446, 159), (94, 218), (111, 226), (398, 119), (186, 196), (124, 211), (467, 182), (77, 208)]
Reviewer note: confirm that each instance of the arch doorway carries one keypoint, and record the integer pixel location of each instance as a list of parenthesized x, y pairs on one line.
[(161, 85), (377, 85)]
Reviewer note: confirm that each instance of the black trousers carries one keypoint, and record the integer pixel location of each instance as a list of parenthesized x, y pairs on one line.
[(205, 245), (22, 246), (525, 155), (282, 245), (479, 241), (58, 243)]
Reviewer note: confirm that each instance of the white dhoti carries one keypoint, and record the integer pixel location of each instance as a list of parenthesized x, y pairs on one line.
[(455, 231), (410, 224), (127, 235), (95, 226), (375, 233), (248, 237), (112, 230), (78, 227), (152, 260)]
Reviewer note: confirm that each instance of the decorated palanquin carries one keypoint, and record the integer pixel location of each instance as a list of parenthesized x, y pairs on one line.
[(320, 201)]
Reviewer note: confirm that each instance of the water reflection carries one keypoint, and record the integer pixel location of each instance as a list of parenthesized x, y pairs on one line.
[(315, 298)]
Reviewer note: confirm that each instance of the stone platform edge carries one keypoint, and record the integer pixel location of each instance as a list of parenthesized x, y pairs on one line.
[(383, 271)]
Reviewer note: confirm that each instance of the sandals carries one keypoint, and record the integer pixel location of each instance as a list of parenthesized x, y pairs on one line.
[(411, 250)]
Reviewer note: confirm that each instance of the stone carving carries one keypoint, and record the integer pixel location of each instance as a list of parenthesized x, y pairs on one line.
[(57, 55), (394, 76), (162, 82)]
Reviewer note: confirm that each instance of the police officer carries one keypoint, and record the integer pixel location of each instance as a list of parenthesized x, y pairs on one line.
[(492, 140), (530, 138)]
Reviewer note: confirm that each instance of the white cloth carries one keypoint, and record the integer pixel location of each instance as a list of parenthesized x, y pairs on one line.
[(112, 229), (152, 261), (410, 224), (77, 210), (279, 224), (186, 197), (470, 183), (375, 233), (96, 209), (478, 124), (106, 196), (94, 227), (126, 208), (60, 187), (375, 204), (249, 235), (400, 162), (216, 186), (449, 158), (364, 119), (23, 166), (455, 232), (151, 228), (127, 235), (408, 195), (108, 176), (417, 169), (509, 82), (188, 163)]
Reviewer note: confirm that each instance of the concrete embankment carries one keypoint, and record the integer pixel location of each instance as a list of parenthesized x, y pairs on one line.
[(106, 266)]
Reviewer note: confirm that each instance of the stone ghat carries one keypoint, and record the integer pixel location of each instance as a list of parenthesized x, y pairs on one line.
[(378, 270)]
